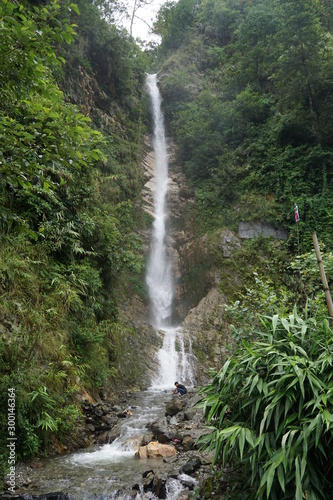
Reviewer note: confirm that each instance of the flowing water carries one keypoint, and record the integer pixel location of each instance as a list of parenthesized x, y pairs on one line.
[(174, 362), (159, 276), (99, 471)]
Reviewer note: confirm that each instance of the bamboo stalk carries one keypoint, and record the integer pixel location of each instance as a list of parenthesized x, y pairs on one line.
[(323, 276)]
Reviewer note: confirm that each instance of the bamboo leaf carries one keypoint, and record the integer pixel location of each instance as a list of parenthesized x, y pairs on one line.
[(286, 324), (281, 477), (275, 320), (242, 434), (298, 479)]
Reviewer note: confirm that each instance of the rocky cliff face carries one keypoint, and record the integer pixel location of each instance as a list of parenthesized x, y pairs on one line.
[(198, 302)]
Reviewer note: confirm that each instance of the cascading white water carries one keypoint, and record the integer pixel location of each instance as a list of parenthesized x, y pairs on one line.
[(159, 277), (173, 359)]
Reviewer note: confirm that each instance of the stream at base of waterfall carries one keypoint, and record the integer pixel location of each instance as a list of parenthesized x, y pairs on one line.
[(100, 471)]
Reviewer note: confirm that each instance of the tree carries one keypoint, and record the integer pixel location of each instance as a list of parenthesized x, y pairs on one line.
[(138, 4)]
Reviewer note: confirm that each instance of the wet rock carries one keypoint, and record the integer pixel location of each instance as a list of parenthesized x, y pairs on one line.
[(103, 438), (191, 466), (154, 483), (188, 443), (173, 407), (146, 438), (148, 481), (113, 434), (146, 472), (154, 449), (161, 433)]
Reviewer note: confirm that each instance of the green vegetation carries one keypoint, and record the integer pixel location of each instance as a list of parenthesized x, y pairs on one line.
[(270, 408), (67, 192), (247, 93)]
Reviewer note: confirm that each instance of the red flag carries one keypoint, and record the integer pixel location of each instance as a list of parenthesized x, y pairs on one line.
[(296, 213)]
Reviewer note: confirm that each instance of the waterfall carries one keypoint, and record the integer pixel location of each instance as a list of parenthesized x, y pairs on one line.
[(159, 277), (174, 362), (101, 470)]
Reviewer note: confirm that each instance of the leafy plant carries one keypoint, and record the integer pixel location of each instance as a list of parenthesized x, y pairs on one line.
[(270, 408), (41, 405)]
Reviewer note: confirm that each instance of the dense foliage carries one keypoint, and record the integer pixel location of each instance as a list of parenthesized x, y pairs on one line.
[(66, 211), (248, 94), (270, 408)]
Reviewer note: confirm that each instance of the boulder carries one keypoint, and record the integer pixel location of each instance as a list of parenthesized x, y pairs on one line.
[(142, 452), (160, 432), (191, 466), (154, 449), (173, 407)]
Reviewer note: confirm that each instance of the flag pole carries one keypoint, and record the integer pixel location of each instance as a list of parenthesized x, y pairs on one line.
[(299, 252), (297, 220), (323, 277)]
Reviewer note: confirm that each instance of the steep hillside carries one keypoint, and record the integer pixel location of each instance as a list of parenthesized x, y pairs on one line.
[(72, 116), (248, 95), (247, 88)]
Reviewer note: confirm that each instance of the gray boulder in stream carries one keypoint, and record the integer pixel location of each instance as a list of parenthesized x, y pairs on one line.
[(160, 432), (173, 407)]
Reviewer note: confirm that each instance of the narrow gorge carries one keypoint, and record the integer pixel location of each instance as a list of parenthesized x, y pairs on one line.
[(136, 443)]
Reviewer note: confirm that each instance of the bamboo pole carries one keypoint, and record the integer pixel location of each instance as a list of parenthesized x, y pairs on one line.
[(323, 276)]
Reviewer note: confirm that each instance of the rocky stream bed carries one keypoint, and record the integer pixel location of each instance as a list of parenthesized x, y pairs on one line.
[(159, 458)]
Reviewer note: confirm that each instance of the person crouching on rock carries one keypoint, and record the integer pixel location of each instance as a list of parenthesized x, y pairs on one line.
[(180, 389)]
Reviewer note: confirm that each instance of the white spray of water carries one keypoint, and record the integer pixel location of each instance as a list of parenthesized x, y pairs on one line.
[(159, 277), (174, 363)]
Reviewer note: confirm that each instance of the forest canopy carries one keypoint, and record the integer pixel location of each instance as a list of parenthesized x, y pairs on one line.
[(248, 93)]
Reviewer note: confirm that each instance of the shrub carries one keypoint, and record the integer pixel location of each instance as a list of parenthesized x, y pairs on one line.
[(270, 408)]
